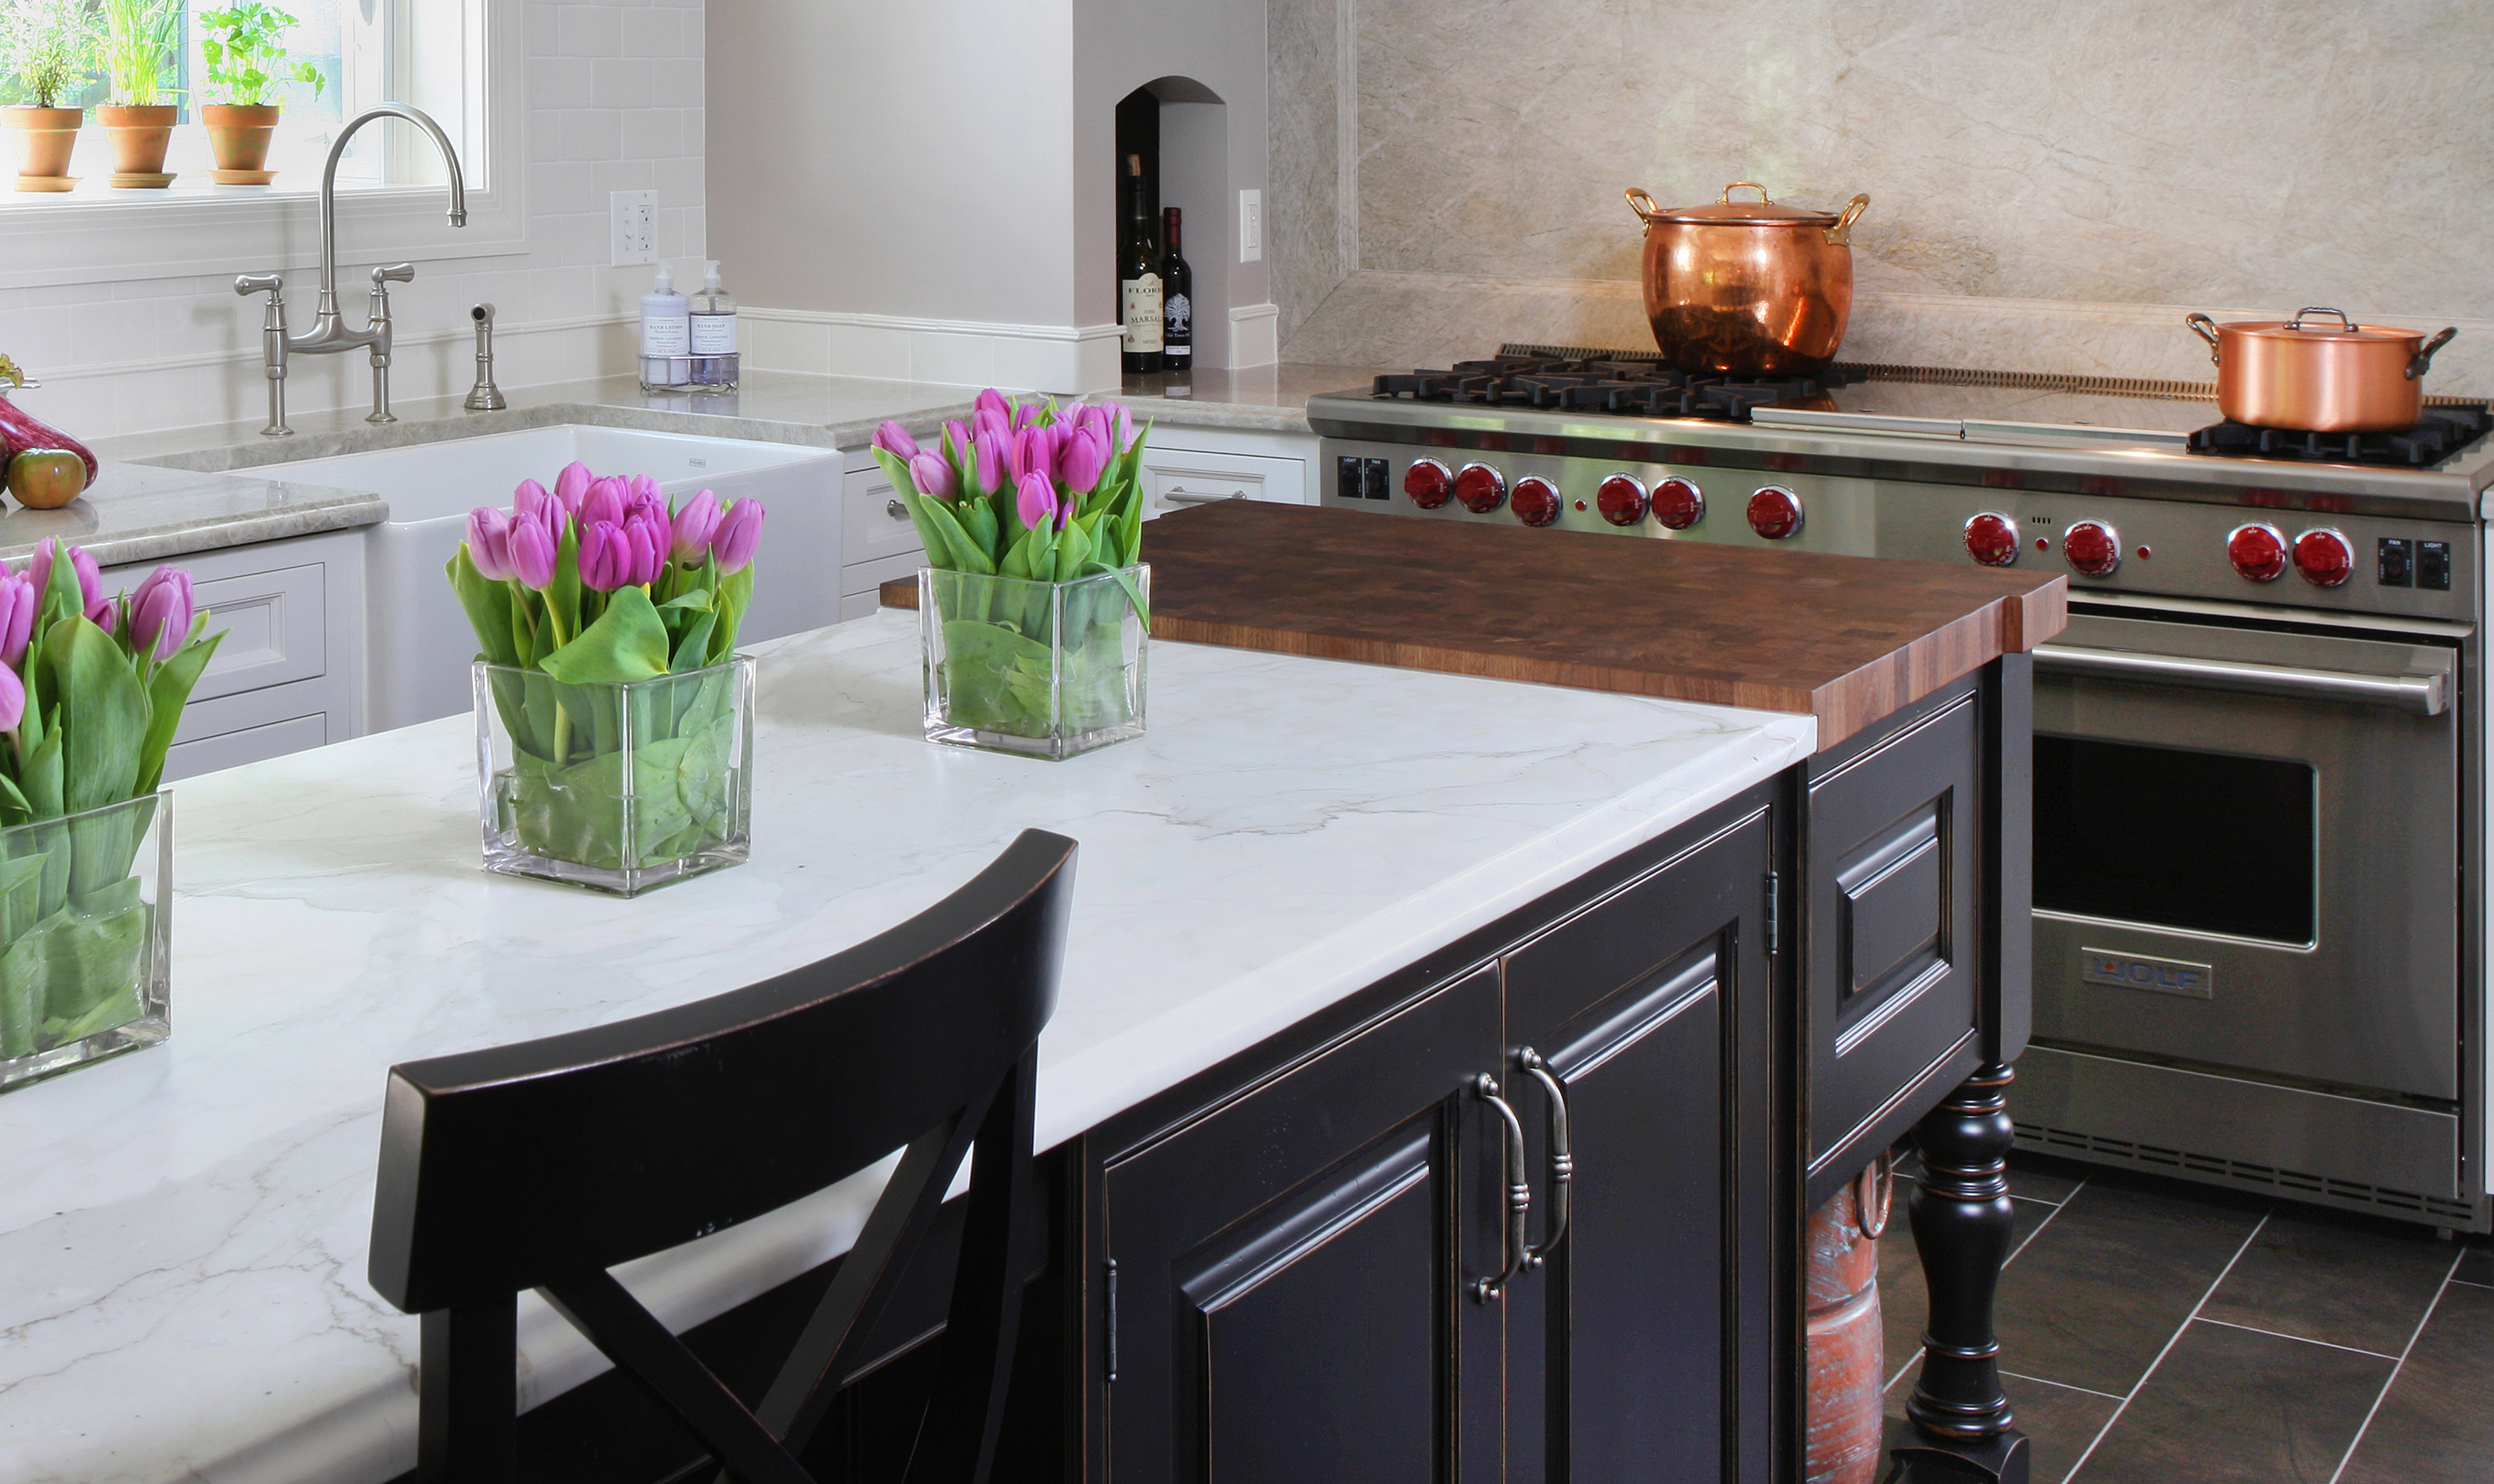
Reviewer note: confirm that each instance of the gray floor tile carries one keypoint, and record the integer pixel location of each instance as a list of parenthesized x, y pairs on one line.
[(2090, 1301), (2228, 1405), (2029, 1179), (2437, 1423), (2476, 1265), (2058, 1422), (1902, 1299), (2350, 1283)]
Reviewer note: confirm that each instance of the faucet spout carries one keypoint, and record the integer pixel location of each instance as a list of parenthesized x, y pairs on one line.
[(329, 187)]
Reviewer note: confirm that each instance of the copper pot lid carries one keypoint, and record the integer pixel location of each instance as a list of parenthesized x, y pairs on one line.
[(2305, 326), (1762, 212)]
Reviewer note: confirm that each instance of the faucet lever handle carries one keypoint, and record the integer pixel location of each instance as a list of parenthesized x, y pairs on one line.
[(395, 273), (269, 284)]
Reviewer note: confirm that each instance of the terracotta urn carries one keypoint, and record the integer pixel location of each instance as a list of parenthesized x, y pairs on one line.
[(139, 135), (239, 134), (49, 134)]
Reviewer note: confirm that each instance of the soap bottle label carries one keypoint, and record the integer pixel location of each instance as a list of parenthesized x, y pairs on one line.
[(713, 334), (667, 335)]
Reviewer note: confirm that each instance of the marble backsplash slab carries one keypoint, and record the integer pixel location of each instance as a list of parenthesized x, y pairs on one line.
[(2052, 186)]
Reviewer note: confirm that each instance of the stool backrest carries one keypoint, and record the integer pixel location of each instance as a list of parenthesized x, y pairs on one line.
[(542, 1164)]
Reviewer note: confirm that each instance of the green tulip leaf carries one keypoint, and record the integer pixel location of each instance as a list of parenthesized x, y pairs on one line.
[(104, 714), (967, 555), (488, 606), (628, 642), (897, 470), (167, 692)]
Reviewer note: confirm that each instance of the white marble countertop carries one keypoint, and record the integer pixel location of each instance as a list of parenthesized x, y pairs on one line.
[(183, 1229), (134, 512)]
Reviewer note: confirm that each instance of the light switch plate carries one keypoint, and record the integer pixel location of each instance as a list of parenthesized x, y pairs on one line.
[(1251, 227), (635, 215)]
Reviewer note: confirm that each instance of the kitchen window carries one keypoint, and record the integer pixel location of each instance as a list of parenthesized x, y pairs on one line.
[(458, 60)]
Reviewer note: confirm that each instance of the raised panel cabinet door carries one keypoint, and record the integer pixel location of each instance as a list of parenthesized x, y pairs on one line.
[(1892, 891), (1629, 1345), (1284, 1276)]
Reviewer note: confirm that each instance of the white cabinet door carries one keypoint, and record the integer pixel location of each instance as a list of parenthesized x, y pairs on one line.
[(274, 626), (1186, 465)]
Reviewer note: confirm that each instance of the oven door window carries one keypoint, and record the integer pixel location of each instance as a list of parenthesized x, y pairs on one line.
[(2198, 841)]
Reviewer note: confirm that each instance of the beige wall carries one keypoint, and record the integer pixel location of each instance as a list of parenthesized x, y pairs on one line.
[(2051, 185)]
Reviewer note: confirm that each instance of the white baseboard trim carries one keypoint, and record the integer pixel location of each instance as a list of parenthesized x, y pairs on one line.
[(952, 353), (1254, 335)]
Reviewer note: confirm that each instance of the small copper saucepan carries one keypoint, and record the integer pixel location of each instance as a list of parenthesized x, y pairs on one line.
[(2319, 378)]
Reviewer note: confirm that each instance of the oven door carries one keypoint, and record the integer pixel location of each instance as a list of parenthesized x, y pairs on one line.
[(2247, 850)]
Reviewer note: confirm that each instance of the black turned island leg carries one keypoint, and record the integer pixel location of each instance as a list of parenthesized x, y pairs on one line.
[(1959, 1209)]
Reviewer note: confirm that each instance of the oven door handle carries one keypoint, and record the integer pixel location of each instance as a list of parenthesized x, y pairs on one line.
[(2418, 695)]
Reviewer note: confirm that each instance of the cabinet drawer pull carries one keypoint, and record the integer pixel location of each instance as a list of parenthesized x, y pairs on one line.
[(1179, 495), (1512, 1251), (1563, 1160), (896, 509)]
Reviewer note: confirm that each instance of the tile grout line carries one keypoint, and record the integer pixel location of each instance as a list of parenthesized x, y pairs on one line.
[(2396, 1366), (2056, 1206), (2279, 1334), (2059, 1385), (2170, 1342)]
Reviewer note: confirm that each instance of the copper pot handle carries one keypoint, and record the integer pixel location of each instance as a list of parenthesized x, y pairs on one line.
[(1842, 234), (2206, 330), (2424, 357), (2297, 324), (1643, 205), (1725, 199)]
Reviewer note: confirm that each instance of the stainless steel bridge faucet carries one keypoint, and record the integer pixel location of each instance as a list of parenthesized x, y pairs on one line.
[(329, 332)]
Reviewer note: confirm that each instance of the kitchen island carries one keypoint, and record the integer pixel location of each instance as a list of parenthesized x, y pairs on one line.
[(1318, 892)]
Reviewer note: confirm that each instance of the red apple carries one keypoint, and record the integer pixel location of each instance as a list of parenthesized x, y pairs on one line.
[(46, 478)]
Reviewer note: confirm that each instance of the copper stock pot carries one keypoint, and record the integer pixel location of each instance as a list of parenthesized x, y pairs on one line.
[(2319, 378), (1749, 287)]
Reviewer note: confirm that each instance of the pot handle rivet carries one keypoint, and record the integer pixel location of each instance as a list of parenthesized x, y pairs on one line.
[(2424, 357), (1842, 234), (2206, 330)]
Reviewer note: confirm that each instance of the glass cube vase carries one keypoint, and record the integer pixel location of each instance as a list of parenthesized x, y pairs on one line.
[(616, 787), (1044, 669), (86, 911)]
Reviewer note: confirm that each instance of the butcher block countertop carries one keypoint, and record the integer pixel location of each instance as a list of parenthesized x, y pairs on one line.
[(1848, 640)]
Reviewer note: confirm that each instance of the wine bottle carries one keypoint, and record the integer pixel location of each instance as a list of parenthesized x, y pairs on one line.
[(1139, 277), (1177, 307)]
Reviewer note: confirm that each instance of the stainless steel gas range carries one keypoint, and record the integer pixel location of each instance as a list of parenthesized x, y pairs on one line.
[(2259, 766)]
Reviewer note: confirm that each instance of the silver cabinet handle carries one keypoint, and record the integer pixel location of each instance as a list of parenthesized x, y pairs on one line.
[(1182, 498), (1513, 1249), (896, 509), (1562, 1158), (2418, 695)]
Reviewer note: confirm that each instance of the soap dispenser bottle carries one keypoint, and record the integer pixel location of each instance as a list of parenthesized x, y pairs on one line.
[(666, 337), (713, 334)]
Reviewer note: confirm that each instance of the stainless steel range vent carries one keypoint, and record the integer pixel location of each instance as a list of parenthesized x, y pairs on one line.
[(2298, 1184)]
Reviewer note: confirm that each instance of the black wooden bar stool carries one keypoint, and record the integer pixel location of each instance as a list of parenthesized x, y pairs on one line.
[(544, 1165)]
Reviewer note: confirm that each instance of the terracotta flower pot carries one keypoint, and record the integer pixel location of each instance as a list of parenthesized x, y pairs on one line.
[(49, 134), (139, 135), (238, 132)]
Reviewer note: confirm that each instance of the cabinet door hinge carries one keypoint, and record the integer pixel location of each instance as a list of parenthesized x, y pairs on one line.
[(1112, 1287), (1775, 917)]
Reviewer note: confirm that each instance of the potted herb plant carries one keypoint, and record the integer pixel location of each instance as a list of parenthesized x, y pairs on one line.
[(614, 716), (49, 46), (1033, 606), (140, 39), (244, 49), (91, 690)]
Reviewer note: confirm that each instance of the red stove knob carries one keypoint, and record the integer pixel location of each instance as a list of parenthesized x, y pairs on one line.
[(1992, 539), (1428, 483), (2323, 558), (2257, 552), (2093, 547), (1621, 499), (1679, 504), (1535, 502), (1774, 512), (1480, 488)]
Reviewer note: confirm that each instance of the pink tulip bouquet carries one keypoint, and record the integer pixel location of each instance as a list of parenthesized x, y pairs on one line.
[(91, 690), (1034, 602), (612, 710)]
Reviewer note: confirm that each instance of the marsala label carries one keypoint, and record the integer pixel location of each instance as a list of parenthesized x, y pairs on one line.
[(1143, 313)]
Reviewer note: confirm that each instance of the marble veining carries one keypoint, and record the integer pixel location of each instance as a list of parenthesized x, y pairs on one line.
[(185, 1228)]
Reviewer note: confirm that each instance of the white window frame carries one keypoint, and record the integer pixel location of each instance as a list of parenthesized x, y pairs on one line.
[(53, 243)]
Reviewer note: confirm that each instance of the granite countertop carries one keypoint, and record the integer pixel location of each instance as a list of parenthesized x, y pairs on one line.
[(136, 513), (185, 1228), (1270, 399)]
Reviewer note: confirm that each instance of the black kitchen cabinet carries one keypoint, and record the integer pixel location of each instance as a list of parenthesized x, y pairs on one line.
[(1290, 1279)]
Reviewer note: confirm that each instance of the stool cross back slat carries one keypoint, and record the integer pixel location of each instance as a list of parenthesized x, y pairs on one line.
[(544, 1163)]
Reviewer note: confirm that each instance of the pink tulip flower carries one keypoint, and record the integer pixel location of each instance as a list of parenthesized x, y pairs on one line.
[(693, 526), (1035, 500), (20, 597), (992, 469), (935, 476), (533, 554), (160, 611), (1085, 457), (13, 699), (489, 542), (895, 440), (571, 486), (91, 599), (739, 536)]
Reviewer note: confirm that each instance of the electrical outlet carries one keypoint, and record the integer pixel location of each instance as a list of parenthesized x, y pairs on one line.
[(1251, 227), (634, 216)]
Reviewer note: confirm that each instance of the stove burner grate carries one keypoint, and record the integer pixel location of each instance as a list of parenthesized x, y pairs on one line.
[(2442, 431), (1630, 388)]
